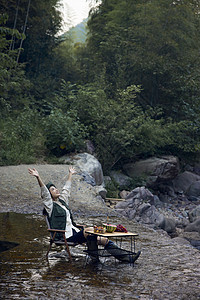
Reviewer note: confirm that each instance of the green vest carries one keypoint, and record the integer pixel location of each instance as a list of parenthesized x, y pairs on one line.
[(58, 218)]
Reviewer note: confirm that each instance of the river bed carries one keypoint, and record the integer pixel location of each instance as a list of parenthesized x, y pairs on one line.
[(165, 270)]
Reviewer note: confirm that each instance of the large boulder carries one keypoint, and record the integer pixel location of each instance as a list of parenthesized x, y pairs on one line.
[(184, 180), (88, 166), (20, 192), (156, 170)]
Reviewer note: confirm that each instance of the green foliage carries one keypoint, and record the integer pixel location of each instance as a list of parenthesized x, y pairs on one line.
[(63, 131), (21, 139), (121, 130), (184, 137), (112, 189), (43, 24), (132, 88), (152, 43), (136, 182), (14, 85)]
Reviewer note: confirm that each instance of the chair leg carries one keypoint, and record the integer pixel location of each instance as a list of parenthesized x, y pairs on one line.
[(51, 242), (67, 247)]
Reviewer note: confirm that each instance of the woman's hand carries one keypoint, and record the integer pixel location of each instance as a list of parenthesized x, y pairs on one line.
[(33, 172), (72, 170)]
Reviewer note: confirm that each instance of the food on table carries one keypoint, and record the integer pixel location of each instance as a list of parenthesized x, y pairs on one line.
[(99, 229), (121, 228), (110, 227)]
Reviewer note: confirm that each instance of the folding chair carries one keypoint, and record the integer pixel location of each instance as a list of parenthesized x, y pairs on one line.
[(62, 241)]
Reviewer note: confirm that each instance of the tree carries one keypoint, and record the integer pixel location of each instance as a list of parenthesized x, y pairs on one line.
[(13, 83), (152, 43), (43, 24)]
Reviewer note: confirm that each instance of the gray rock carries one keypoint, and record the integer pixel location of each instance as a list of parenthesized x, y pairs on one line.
[(189, 235), (123, 194), (139, 205), (182, 222), (100, 190), (121, 179), (89, 179), (194, 190), (142, 208), (169, 225), (87, 164), (24, 192), (184, 180), (140, 193), (180, 240), (152, 217), (193, 238), (156, 201), (123, 204), (156, 169), (194, 214), (195, 226)]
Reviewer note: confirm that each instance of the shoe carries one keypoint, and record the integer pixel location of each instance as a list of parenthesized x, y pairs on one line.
[(121, 254), (133, 258)]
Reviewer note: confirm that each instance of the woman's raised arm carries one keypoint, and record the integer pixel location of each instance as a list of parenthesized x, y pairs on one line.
[(34, 172)]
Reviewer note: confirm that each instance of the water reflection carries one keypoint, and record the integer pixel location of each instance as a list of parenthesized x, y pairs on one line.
[(164, 270)]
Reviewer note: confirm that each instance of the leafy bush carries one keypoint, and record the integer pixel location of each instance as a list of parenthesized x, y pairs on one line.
[(21, 139), (63, 131), (112, 189)]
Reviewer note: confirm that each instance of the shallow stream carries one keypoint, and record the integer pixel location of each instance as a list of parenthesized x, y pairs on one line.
[(164, 270)]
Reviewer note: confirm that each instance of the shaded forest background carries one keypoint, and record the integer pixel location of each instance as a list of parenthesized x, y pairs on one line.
[(132, 88)]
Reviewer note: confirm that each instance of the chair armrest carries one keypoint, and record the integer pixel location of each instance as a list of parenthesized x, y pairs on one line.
[(56, 230)]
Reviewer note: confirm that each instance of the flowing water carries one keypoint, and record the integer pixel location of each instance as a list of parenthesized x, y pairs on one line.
[(160, 273)]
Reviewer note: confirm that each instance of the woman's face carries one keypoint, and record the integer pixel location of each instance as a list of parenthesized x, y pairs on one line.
[(54, 192)]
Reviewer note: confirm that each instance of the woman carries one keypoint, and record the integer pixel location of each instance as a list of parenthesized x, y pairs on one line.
[(60, 217), (57, 210)]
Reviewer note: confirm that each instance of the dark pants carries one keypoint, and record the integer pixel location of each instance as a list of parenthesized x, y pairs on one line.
[(77, 237)]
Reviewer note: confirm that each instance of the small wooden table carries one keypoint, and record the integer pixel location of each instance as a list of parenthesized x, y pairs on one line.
[(117, 235)]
